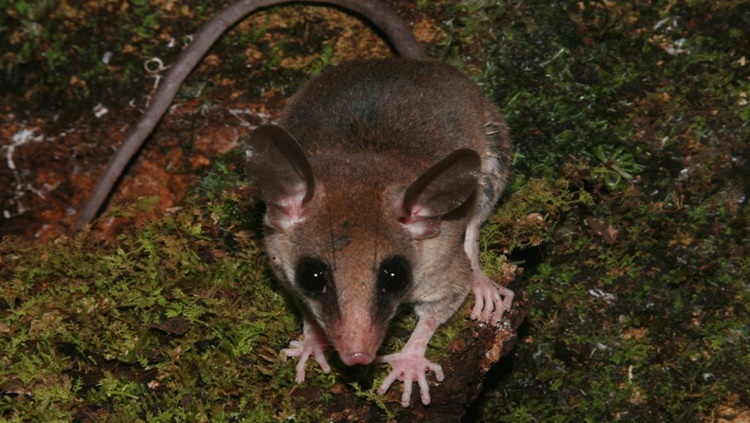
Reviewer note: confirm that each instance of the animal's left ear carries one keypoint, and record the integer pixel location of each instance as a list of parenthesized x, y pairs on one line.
[(441, 189)]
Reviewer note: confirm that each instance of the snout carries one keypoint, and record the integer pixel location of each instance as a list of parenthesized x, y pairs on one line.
[(357, 345), (357, 357)]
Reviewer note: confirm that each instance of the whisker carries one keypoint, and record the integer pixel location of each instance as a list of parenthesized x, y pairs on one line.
[(377, 212)]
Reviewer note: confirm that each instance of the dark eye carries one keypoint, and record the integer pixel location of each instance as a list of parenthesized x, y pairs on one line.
[(313, 275), (394, 274)]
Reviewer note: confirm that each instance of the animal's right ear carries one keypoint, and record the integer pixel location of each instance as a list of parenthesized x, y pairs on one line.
[(279, 171)]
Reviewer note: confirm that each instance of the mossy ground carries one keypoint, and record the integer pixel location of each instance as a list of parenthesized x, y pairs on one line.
[(629, 210)]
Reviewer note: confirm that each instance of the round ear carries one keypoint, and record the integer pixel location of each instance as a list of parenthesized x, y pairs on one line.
[(441, 189), (279, 171)]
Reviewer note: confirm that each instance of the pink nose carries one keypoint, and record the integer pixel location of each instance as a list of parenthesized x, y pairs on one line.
[(351, 359)]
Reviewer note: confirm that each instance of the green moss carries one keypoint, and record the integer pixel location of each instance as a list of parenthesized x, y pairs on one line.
[(639, 302), (128, 327)]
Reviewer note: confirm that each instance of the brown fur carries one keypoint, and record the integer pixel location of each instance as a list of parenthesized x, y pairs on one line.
[(370, 129)]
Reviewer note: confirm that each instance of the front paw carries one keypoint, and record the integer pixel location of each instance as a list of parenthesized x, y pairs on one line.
[(313, 344), (410, 368)]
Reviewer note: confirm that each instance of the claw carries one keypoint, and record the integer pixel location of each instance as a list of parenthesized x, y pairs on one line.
[(312, 344), (492, 301), (410, 365)]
